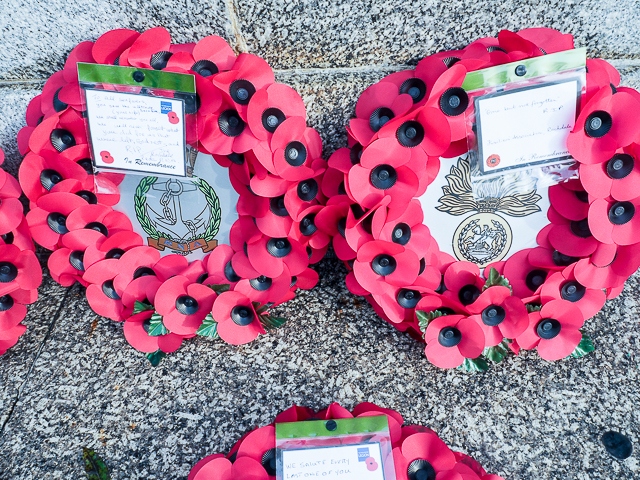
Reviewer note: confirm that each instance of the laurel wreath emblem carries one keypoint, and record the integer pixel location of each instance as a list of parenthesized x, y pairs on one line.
[(140, 206)]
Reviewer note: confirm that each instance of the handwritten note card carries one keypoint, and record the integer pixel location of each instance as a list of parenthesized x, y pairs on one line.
[(349, 462), (137, 132), (527, 126)]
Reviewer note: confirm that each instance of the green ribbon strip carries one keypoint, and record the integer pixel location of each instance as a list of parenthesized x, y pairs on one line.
[(136, 77), (532, 67), (318, 428)]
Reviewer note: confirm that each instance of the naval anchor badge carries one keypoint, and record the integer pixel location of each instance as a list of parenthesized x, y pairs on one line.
[(181, 215), (485, 237)]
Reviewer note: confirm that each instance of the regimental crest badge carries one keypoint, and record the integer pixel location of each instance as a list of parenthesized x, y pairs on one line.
[(485, 236), (182, 215)]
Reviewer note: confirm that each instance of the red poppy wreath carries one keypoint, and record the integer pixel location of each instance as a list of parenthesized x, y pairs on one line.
[(398, 193), (160, 267), (418, 453), (20, 272)]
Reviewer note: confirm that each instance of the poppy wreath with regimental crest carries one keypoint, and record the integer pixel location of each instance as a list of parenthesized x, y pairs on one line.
[(418, 452), (251, 126), (473, 309)]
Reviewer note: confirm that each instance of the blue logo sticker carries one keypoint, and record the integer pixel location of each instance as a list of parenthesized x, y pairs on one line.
[(165, 107), (363, 454)]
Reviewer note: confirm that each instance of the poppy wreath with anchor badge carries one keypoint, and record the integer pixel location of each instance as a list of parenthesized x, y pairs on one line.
[(20, 272), (208, 255), (483, 296), (418, 452)]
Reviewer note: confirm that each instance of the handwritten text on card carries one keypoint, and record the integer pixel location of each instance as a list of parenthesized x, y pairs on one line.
[(334, 463), (526, 126), (136, 132)]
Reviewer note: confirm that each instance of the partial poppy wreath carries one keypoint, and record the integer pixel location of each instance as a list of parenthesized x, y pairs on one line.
[(20, 272), (251, 125), (539, 298), (418, 452)]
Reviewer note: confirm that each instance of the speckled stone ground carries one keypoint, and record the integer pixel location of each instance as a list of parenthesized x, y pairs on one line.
[(72, 380)]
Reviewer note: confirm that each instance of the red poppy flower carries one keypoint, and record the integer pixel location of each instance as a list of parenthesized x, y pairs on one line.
[(55, 88), (58, 133), (332, 219), (295, 413), (20, 237), (407, 82), (260, 445), (463, 282), (101, 294), (183, 304), (307, 232), (377, 105), (263, 289), (618, 177), (209, 56), (500, 315), (12, 312), (407, 229), (150, 49), (359, 226), (38, 175), (611, 271), (10, 336), (135, 331), (564, 286), (399, 303), (268, 256), (600, 74), (615, 222), (571, 203), (219, 468), (270, 107), (11, 211), (305, 193), (571, 237), (446, 304), (219, 268), (135, 264), (548, 40), (66, 264), (422, 455), (368, 186), (452, 338), (108, 47), (238, 321), (449, 98), (226, 133), (112, 246), (607, 122), (248, 75), (380, 263), (524, 277), (18, 269), (295, 146), (554, 330), (518, 47)]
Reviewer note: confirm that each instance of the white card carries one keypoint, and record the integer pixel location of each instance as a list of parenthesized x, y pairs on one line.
[(137, 133), (525, 127), (362, 462)]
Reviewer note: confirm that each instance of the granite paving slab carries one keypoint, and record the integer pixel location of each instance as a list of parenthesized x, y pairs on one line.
[(525, 419), (348, 33), (16, 364), (38, 36)]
